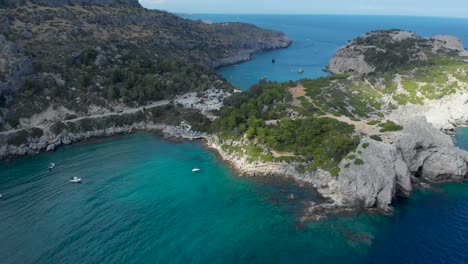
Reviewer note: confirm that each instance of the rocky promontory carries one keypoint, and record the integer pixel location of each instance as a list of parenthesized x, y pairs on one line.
[(380, 51), (402, 95)]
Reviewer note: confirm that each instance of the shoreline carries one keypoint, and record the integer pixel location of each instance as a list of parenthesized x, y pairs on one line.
[(322, 204)]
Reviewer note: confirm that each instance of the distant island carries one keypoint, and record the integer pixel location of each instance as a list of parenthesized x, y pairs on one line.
[(376, 128)]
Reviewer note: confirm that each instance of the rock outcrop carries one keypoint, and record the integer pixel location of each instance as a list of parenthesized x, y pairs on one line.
[(376, 182), (379, 51), (420, 151), (447, 42), (444, 114), (431, 154)]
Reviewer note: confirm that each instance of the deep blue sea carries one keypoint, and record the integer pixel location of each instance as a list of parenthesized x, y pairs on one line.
[(317, 37), (141, 203)]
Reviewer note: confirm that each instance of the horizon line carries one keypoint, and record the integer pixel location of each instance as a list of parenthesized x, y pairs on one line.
[(314, 14)]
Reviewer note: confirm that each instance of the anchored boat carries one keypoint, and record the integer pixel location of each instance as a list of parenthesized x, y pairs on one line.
[(75, 180)]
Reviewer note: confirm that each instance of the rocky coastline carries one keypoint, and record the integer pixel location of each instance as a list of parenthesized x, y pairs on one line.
[(420, 153), (423, 153)]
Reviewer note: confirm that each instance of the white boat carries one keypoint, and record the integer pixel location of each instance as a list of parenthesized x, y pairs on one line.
[(0, 195), (51, 166), (75, 180), (301, 70), (195, 169)]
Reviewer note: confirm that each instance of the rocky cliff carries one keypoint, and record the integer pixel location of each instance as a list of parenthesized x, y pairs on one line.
[(420, 152), (380, 51)]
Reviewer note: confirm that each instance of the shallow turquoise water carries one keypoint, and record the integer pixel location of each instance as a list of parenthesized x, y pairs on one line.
[(140, 203)]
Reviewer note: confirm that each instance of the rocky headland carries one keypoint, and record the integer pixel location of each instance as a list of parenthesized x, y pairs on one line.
[(404, 132)]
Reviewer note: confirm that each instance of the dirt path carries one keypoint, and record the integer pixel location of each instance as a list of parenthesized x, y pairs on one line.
[(361, 126), (126, 111)]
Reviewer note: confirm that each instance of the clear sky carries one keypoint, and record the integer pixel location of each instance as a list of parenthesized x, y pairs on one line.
[(449, 8)]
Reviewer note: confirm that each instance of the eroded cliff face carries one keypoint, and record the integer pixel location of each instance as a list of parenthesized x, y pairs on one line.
[(375, 182), (379, 51), (420, 152)]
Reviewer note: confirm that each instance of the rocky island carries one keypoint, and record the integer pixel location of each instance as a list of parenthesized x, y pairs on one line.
[(374, 129)]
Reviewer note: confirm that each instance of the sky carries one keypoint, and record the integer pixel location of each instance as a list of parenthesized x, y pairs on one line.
[(446, 8)]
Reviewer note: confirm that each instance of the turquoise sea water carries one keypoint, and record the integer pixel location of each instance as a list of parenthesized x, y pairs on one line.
[(140, 203), (317, 37)]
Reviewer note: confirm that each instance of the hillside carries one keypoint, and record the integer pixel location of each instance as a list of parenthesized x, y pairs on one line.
[(82, 54), (381, 51), (361, 138)]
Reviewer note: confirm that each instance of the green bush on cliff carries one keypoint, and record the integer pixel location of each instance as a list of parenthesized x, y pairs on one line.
[(390, 126)]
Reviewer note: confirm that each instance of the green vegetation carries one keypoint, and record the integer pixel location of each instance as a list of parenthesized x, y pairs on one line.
[(390, 126), (358, 162), (21, 137), (360, 97), (111, 54), (373, 122), (321, 142), (168, 114), (365, 145), (376, 138)]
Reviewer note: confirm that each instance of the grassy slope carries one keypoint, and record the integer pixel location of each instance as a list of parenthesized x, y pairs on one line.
[(364, 97), (274, 122)]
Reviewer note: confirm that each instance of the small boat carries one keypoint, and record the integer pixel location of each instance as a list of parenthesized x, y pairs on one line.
[(195, 169), (301, 70), (273, 61), (0, 195), (51, 166), (75, 180)]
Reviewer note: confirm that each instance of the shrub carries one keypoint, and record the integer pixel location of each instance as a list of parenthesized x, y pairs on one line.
[(359, 162), (36, 132), (373, 122), (390, 126), (376, 138), (18, 138), (365, 145)]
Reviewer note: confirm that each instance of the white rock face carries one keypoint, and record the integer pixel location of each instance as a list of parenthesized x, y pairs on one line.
[(349, 60), (376, 182), (449, 42), (402, 35), (444, 114), (431, 154)]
